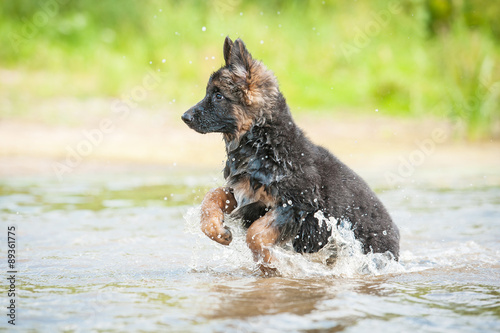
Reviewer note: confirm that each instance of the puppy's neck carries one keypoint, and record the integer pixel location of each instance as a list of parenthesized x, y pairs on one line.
[(232, 141)]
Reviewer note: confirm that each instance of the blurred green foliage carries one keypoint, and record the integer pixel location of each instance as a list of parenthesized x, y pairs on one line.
[(406, 58)]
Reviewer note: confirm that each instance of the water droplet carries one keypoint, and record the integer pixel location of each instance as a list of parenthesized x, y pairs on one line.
[(384, 232), (227, 201), (163, 60), (203, 28), (290, 202)]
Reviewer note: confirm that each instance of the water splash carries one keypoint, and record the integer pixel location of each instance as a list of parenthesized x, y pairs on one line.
[(208, 255), (341, 257)]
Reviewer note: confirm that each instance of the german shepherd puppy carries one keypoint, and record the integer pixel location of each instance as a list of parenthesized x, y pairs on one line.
[(276, 178)]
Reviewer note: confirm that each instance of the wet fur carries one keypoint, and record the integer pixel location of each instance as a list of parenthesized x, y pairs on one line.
[(272, 166)]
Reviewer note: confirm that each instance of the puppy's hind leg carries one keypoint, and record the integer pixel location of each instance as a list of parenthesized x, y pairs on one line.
[(215, 203), (261, 236)]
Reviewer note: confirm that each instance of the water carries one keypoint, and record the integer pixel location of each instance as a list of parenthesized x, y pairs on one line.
[(124, 253)]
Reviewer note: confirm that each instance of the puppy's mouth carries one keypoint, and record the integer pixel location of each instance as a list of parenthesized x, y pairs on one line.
[(197, 128)]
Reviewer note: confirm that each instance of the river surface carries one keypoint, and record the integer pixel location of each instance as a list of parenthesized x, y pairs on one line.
[(123, 252)]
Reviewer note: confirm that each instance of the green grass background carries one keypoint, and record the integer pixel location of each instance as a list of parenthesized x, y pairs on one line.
[(411, 58)]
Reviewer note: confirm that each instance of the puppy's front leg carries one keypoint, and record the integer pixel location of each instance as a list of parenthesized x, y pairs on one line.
[(215, 203), (261, 236)]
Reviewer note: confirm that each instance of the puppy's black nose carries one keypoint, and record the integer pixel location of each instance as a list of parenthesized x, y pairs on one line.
[(187, 117)]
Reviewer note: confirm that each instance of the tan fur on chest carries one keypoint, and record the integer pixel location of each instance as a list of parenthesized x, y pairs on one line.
[(244, 193)]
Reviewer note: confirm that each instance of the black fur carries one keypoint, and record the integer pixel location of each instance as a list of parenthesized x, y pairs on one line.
[(273, 154)]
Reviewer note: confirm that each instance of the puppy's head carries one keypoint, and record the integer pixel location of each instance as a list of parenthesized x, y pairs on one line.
[(237, 95)]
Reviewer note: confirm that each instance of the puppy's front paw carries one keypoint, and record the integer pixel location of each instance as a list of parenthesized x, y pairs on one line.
[(216, 231), (226, 236)]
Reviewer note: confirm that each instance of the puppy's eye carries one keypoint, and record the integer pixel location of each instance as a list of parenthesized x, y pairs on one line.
[(218, 96)]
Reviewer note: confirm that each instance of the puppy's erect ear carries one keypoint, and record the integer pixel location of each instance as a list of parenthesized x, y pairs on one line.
[(228, 45), (248, 74), (239, 55)]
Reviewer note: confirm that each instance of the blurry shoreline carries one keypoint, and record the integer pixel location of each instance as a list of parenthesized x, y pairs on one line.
[(380, 148)]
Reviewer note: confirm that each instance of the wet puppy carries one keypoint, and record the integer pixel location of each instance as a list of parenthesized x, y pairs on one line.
[(276, 178)]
